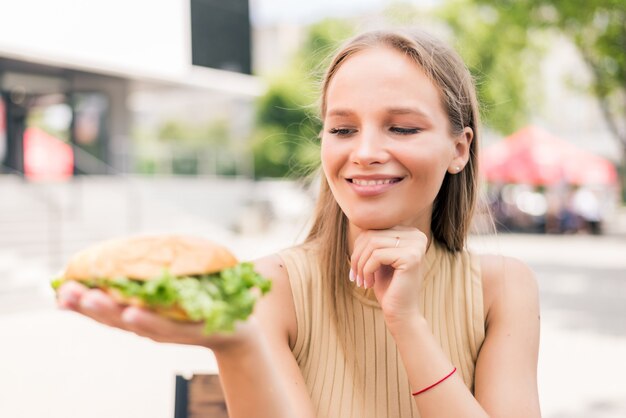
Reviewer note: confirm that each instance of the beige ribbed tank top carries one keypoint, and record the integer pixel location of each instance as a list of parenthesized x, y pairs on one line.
[(452, 303)]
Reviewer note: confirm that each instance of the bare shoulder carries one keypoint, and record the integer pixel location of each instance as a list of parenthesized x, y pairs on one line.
[(272, 267), (506, 368), (276, 310), (508, 285)]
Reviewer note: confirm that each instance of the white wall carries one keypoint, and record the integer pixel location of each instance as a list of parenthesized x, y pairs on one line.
[(144, 37)]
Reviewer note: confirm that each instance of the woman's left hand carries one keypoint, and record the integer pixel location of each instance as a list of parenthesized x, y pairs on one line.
[(391, 261)]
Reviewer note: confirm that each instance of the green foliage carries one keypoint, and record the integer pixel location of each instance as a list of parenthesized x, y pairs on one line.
[(501, 56), (185, 148), (215, 133), (285, 104), (288, 125), (598, 29), (36, 119), (323, 39), (279, 154)]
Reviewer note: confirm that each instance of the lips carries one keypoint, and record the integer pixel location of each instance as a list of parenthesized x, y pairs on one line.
[(372, 186), (365, 182)]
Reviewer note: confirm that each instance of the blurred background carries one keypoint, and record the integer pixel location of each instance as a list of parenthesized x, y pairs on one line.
[(199, 116)]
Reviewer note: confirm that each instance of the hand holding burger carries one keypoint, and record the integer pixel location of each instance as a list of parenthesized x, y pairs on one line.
[(184, 278)]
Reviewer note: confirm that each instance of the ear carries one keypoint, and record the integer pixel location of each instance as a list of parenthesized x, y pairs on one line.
[(462, 143)]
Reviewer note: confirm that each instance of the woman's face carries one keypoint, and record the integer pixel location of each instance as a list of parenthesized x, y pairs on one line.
[(386, 145)]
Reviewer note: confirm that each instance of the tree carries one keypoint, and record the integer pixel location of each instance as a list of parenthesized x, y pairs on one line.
[(500, 54), (180, 146), (598, 29), (286, 128), (287, 121)]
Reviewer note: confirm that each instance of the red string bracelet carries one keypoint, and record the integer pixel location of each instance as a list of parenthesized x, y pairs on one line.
[(434, 384)]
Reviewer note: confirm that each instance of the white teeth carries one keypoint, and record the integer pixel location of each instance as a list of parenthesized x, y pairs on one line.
[(371, 182)]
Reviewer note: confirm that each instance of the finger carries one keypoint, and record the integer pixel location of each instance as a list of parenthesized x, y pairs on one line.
[(101, 307), (376, 242), (363, 259), (368, 241), (379, 258), (140, 322), (158, 328), (363, 248), (357, 250), (69, 295)]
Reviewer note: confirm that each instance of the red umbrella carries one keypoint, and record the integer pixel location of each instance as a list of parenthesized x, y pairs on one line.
[(534, 156), (46, 157)]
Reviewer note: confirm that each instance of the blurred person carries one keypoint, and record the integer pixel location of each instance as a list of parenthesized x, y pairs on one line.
[(382, 311), (554, 211), (587, 206), (498, 207), (570, 219)]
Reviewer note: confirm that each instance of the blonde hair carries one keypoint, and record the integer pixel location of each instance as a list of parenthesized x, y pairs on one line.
[(453, 207)]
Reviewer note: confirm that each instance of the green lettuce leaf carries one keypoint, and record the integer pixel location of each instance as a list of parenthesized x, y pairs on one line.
[(219, 300)]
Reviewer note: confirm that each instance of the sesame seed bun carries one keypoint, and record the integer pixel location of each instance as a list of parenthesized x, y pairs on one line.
[(145, 258)]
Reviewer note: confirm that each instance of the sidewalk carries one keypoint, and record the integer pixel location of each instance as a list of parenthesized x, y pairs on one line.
[(582, 283), (56, 364)]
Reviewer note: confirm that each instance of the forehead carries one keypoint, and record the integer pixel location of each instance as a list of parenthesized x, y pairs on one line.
[(381, 77)]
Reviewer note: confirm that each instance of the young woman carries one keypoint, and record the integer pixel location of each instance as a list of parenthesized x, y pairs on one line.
[(382, 311)]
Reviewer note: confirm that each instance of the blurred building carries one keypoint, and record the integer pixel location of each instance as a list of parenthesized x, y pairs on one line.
[(85, 73), (566, 105)]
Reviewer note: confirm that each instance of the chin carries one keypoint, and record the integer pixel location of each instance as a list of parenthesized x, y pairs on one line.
[(374, 221), (381, 219)]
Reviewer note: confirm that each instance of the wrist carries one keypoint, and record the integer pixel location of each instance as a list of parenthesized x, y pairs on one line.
[(407, 323), (245, 337)]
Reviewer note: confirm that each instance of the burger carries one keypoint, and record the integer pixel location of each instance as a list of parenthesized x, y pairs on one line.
[(181, 277)]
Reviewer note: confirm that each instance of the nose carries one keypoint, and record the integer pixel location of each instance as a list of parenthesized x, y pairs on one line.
[(369, 148)]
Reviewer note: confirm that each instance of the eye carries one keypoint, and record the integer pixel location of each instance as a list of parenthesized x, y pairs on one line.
[(341, 131), (404, 131)]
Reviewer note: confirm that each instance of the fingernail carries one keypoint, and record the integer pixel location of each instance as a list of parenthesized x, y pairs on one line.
[(364, 285), (351, 275), (128, 315), (88, 304), (359, 281), (64, 304), (68, 298)]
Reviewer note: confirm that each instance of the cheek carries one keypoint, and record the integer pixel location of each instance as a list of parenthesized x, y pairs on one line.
[(330, 158), (424, 163), (428, 169), (324, 159), (434, 159)]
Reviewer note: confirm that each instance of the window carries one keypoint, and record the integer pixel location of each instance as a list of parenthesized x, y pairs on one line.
[(220, 34), (3, 132)]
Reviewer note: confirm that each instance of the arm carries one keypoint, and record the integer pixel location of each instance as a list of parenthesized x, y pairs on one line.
[(275, 314), (390, 261), (506, 370), (259, 374), (509, 354)]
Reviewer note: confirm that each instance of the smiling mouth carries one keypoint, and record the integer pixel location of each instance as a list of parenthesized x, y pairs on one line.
[(364, 182)]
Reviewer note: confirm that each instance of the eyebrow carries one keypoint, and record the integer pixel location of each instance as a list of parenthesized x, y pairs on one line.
[(391, 110), (407, 111), (339, 112)]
